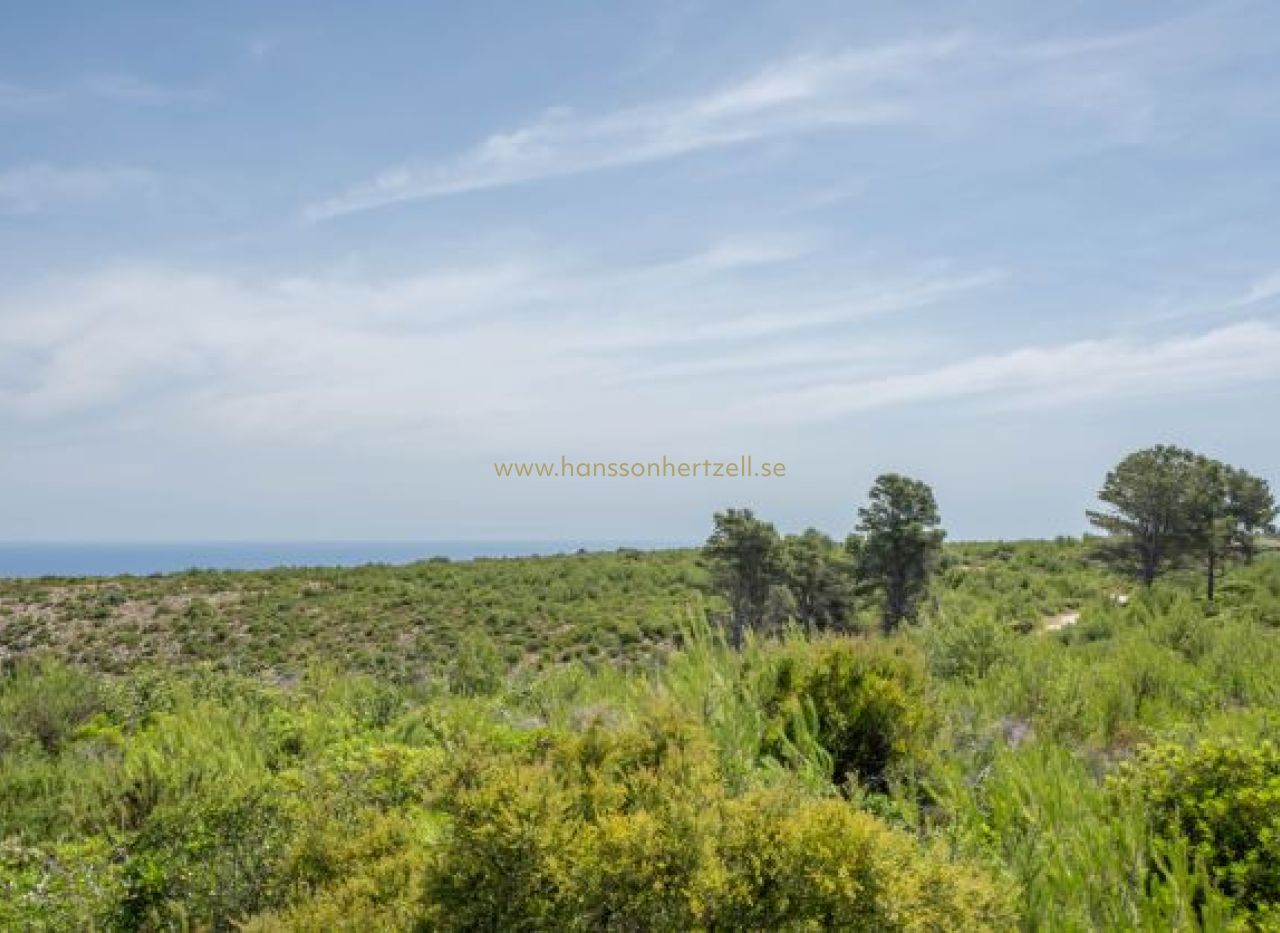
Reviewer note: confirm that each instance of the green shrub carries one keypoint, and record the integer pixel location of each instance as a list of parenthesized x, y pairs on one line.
[(1224, 797), (795, 864), (633, 829), (44, 704), (863, 700), (639, 787), (967, 647), (371, 878), (69, 886), (203, 866)]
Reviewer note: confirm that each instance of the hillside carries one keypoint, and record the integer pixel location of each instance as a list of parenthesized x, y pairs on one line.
[(995, 768), (394, 620), (407, 622)]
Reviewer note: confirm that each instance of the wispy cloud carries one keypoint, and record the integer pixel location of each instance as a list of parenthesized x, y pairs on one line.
[(129, 89), (1263, 289), (259, 48), (28, 189), (800, 95), (929, 81), (18, 100), (493, 350), (773, 311), (516, 350), (1239, 354)]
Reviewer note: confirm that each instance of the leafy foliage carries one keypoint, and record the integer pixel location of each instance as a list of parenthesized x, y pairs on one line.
[(820, 577), (401, 623), (743, 554), (897, 541), (1168, 503), (864, 703), (1224, 798), (979, 771)]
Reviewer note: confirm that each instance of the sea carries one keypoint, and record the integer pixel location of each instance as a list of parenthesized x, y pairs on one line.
[(109, 559)]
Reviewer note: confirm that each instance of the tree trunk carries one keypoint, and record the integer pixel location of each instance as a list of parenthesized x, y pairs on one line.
[(892, 607), (1211, 574), (1150, 563)]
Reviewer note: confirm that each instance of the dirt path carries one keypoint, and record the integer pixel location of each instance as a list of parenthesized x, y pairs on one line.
[(1061, 620)]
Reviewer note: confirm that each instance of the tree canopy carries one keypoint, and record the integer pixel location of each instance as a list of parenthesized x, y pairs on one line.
[(743, 553), (1170, 504), (811, 579), (896, 542)]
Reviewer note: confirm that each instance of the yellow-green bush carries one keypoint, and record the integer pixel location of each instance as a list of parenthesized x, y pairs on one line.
[(864, 702), (802, 864), (634, 830), (1224, 798), (355, 876)]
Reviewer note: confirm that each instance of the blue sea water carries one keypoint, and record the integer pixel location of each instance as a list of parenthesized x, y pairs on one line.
[(84, 559)]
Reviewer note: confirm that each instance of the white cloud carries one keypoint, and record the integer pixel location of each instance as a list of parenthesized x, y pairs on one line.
[(27, 189), (1264, 289), (944, 81), (1033, 376), (489, 352), (744, 252), (804, 94), (766, 312), (764, 363), (511, 350)]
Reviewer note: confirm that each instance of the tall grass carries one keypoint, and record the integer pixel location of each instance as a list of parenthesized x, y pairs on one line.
[(974, 754)]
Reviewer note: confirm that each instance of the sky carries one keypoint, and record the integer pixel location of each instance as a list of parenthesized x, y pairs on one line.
[(307, 271)]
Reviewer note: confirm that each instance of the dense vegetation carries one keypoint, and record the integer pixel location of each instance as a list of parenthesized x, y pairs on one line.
[(399, 622), (769, 580), (753, 737), (977, 771), (1167, 508), (423, 620)]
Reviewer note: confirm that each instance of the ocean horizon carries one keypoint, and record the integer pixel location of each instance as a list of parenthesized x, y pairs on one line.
[(129, 558)]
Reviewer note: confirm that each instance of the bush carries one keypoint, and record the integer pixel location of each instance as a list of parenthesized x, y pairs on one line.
[(863, 700), (370, 879), (633, 829), (44, 704), (822, 865), (1224, 797), (71, 886), (203, 867), (702, 792), (968, 647)]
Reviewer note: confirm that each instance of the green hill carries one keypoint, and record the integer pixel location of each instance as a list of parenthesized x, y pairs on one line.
[(569, 744), (408, 622)]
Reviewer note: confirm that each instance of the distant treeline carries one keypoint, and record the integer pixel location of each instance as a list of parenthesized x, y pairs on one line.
[(1167, 506)]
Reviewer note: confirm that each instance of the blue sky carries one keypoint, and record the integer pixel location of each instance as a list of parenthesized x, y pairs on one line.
[(306, 271)]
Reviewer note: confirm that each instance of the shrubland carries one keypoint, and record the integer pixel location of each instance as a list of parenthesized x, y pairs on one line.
[(974, 770), (404, 623), (393, 621)]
